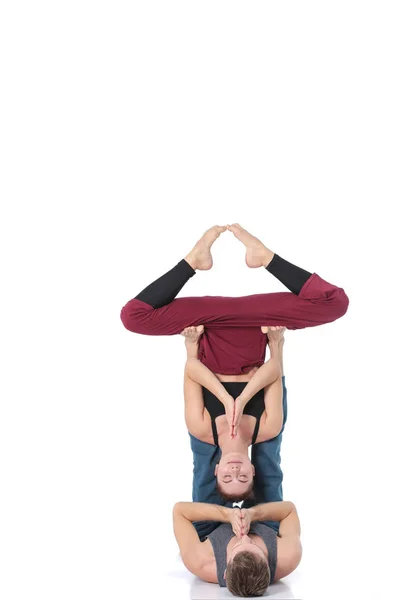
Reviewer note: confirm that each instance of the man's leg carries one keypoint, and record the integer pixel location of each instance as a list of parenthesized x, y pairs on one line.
[(205, 457), (268, 474), (267, 462)]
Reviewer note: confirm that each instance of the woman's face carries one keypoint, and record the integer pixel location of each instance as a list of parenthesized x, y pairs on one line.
[(234, 473)]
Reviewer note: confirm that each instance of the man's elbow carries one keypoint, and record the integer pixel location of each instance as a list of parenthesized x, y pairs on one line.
[(177, 509)]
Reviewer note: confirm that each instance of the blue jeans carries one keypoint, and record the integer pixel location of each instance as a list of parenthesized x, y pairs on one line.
[(268, 480)]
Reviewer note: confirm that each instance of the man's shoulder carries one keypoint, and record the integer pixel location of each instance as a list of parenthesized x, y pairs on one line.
[(208, 571), (289, 554), (202, 564)]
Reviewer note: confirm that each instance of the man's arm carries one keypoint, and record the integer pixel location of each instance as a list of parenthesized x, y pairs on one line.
[(289, 548), (271, 511), (190, 547)]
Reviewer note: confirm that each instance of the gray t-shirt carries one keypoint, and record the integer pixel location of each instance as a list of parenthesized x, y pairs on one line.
[(222, 535)]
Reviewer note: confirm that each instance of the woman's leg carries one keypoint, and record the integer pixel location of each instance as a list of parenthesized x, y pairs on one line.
[(317, 302), (258, 255), (167, 287)]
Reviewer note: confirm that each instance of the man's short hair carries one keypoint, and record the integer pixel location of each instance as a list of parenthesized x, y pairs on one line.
[(247, 575)]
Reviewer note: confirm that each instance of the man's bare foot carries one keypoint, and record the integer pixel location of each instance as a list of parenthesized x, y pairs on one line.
[(257, 254), (200, 257), (192, 334)]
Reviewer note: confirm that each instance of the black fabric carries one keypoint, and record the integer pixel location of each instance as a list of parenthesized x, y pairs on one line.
[(294, 278), (254, 407), (167, 287)]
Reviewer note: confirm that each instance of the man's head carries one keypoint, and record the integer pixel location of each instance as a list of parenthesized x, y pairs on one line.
[(235, 476), (247, 572)]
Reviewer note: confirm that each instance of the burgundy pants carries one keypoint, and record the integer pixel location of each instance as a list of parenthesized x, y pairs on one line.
[(233, 342)]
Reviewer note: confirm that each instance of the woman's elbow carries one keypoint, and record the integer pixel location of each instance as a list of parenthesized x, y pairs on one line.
[(273, 430)]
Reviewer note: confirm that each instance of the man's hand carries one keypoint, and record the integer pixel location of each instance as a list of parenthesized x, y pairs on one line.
[(246, 519), (235, 521), (240, 520)]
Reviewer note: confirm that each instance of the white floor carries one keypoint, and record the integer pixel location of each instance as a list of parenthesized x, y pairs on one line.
[(183, 585)]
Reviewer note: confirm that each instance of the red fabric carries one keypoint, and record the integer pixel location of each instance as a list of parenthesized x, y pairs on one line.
[(233, 342)]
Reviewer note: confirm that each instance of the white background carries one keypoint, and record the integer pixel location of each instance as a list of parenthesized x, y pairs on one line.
[(128, 128)]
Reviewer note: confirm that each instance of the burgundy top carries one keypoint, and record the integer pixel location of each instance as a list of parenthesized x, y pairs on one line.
[(232, 342)]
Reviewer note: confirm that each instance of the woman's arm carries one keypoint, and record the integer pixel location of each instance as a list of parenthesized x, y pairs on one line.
[(269, 376), (197, 422), (198, 376), (193, 392), (264, 376), (272, 417)]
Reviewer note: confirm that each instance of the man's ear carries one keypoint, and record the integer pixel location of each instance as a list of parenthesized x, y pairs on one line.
[(216, 469)]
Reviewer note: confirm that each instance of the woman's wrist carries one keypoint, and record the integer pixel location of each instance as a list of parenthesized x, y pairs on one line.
[(242, 400), (225, 399), (191, 349)]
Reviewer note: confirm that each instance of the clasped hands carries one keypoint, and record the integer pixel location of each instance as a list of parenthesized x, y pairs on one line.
[(240, 520), (234, 412)]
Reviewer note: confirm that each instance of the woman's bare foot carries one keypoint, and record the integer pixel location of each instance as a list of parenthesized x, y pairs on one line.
[(200, 257), (257, 254), (192, 334)]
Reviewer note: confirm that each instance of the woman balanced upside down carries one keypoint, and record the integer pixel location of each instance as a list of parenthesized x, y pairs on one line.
[(232, 400)]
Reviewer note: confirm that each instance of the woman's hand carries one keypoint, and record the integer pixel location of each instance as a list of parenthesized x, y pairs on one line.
[(238, 413), (229, 403), (275, 334)]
